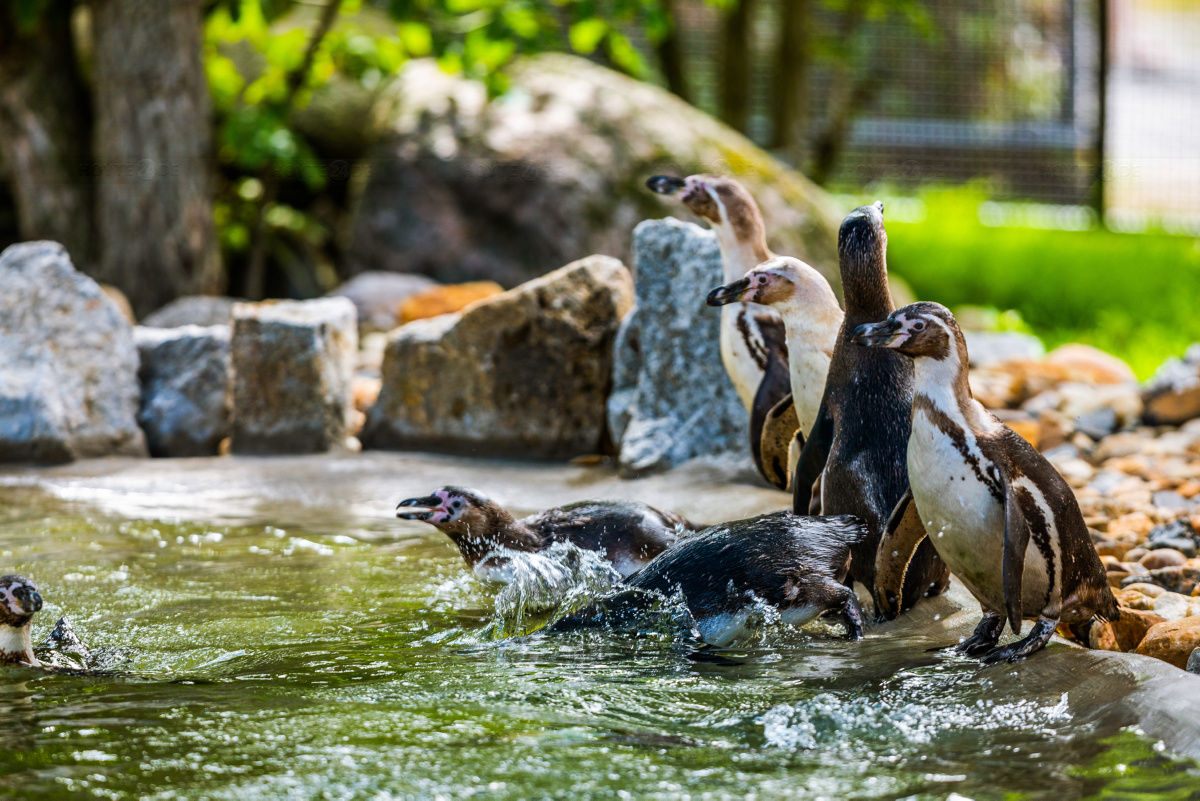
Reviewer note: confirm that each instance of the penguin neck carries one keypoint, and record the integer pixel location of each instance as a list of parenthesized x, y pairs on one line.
[(943, 383), (16, 645), (493, 527), (865, 285), (811, 318), (741, 254)]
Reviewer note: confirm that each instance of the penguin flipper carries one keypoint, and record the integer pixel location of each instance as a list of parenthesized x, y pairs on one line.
[(1016, 542), (812, 459), (901, 536), (775, 386), (779, 428)]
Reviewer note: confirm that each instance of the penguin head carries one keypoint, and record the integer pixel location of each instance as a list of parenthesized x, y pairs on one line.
[(782, 281), (722, 202), (456, 511), (919, 330), (19, 601)]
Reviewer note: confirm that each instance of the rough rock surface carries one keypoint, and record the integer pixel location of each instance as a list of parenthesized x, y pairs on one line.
[(378, 296), (523, 373), (293, 368), (672, 399), (185, 388), (68, 365), (203, 310), (1172, 641), (1172, 396), (551, 171)]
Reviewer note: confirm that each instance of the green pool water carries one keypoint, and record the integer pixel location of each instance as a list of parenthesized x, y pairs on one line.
[(265, 660)]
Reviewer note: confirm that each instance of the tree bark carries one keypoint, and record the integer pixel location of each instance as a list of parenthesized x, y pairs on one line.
[(45, 125), (790, 125), (735, 65), (153, 151), (670, 55)]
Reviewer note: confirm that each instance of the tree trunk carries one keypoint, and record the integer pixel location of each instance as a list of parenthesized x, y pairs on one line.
[(670, 55), (153, 148), (735, 65), (790, 125), (45, 122)]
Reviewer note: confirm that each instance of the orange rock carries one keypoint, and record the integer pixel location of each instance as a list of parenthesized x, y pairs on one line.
[(366, 392), (1172, 641), (1138, 524), (445, 299), (1162, 557), (1090, 365), (1189, 489), (1124, 634)]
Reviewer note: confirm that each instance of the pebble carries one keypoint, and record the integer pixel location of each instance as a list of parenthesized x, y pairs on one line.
[(1160, 557), (1173, 641), (1193, 663)]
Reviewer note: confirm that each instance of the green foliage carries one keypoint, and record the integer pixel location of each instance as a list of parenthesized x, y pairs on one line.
[(1131, 294)]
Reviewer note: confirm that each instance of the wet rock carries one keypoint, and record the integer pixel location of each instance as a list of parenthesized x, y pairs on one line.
[(1172, 396), (68, 365), (1193, 663), (293, 362), (184, 374), (518, 185), (672, 399), (1181, 578), (377, 297), (1180, 535), (1172, 641), (446, 299), (202, 310), (1125, 633), (1162, 557), (990, 347), (524, 373)]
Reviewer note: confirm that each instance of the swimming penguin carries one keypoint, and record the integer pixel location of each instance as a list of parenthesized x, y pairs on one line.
[(812, 317), (629, 534), (753, 341), (984, 494), (860, 437), (19, 602), (794, 563)]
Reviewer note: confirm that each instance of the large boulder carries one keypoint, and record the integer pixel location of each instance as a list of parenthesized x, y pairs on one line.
[(185, 388), (293, 372), (68, 365), (551, 171), (672, 399), (524, 373)]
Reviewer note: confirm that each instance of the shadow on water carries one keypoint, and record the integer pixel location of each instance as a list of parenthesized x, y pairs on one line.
[(273, 661)]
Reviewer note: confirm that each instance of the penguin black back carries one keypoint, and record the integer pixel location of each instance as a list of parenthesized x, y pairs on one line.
[(860, 438)]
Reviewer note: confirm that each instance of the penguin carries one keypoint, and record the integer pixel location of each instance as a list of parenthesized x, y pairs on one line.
[(629, 534), (753, 341), (812, 318), (858, 444), (985, 495), (19, 602), (794, 563)]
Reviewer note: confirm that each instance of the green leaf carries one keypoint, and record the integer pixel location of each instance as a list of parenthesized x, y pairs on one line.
[(417, 39), (586, 35)]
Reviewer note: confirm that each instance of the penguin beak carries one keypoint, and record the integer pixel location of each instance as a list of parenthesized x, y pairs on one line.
[(729, 293), (885, 334), (421, 508), (665, 184)]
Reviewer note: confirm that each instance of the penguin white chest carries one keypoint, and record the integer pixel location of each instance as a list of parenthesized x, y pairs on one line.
[(960, 500), (742, 349)]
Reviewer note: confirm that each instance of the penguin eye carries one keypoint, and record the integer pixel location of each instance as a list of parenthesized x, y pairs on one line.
[(918, 326), (456, 504)]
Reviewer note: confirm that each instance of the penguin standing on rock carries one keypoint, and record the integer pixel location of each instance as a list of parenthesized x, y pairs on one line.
[(812, 317), (860, 437), (984, 495), (754, 346)]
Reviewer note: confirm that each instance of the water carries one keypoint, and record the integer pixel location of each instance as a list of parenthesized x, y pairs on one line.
[(362, 661)]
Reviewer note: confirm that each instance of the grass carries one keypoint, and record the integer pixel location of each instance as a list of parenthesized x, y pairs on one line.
[(1134, 295)]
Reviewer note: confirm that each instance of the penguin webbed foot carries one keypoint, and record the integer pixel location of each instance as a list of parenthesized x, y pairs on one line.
[(986, 635), (1042, 631)]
